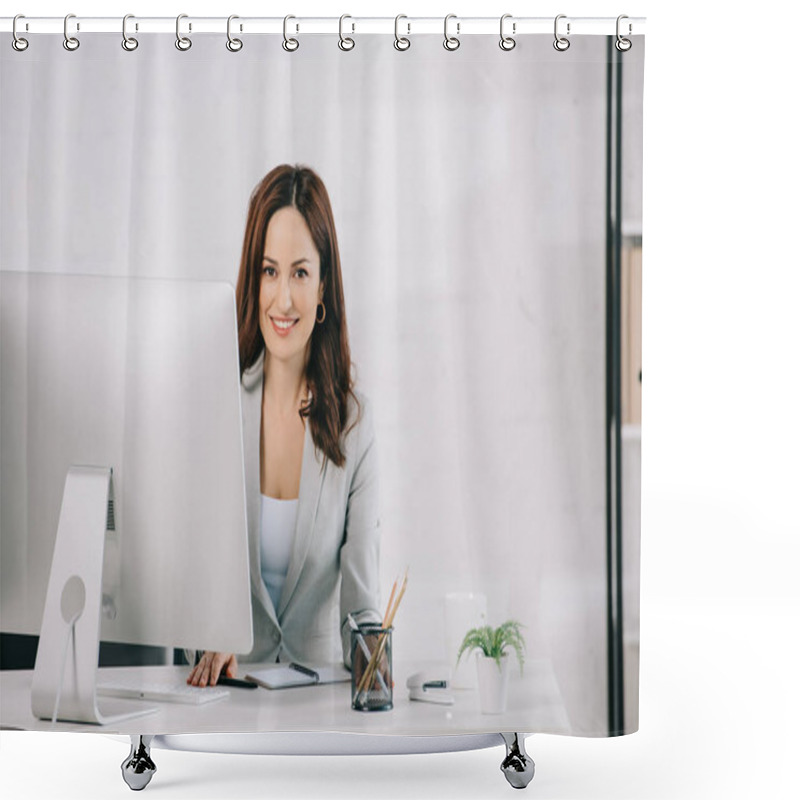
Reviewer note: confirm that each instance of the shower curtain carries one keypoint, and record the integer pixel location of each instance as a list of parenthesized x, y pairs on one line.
[(487, 206)]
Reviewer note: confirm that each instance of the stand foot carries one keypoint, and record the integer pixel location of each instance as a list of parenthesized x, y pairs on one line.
[(517, 766), (138, 768)]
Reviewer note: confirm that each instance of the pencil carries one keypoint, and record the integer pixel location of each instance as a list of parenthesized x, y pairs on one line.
[(369, 673), (389, 604)]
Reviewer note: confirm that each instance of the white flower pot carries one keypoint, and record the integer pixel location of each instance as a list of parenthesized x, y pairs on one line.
[(492, 683)]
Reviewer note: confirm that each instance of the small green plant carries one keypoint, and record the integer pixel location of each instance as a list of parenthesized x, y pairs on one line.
[(493, 642)]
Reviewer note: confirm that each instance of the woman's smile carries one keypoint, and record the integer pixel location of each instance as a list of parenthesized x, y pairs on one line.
[(283, 325)]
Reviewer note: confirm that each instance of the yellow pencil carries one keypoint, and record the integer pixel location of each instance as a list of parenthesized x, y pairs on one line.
[(389, 604), (369, 673)]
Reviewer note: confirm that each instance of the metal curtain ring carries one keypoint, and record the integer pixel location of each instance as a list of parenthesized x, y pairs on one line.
[(622, 44), (182, 42), (18, 43), (234, 45), (289, 45), (400, 42), (451, 42), (70, 42), (561, 43), (345, 42), (507, 42), (128, 42)]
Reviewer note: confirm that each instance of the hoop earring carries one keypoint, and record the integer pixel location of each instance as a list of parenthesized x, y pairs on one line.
[(324, 313)]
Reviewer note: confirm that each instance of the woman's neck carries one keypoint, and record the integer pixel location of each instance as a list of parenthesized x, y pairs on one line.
[(285, 387)]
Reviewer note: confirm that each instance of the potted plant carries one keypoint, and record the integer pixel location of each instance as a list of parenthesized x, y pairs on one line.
[(491, 647)]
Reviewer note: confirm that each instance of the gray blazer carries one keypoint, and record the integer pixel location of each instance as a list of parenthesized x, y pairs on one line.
[(336, 534)]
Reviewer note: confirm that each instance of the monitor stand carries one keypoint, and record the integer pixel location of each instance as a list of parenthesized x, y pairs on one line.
[(64, 678)]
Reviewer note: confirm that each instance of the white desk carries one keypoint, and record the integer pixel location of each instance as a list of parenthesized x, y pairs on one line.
[(534, 705)]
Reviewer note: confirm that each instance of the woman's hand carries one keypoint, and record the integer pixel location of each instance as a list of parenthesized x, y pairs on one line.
[(210, 667)]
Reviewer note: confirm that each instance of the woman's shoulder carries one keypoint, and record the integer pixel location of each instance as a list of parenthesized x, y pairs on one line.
[(360, 425), (359, 409)]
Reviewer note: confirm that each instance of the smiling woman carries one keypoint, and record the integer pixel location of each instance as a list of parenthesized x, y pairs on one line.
[(310, 459), (290, 245), (290, 288)]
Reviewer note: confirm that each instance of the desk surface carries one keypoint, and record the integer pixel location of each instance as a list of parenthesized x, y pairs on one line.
[(534, 705)]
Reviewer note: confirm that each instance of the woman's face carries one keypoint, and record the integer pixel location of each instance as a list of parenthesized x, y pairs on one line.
[(290, 286)]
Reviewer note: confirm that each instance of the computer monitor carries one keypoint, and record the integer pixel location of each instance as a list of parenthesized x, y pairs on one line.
[(127, 390)]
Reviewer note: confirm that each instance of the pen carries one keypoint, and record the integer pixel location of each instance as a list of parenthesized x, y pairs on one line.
[(224, 680), (306, 671)]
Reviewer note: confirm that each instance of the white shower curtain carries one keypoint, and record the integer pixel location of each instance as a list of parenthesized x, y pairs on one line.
[(469, 190)]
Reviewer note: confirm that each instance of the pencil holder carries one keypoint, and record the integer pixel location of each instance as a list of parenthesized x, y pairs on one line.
[(371, 659)]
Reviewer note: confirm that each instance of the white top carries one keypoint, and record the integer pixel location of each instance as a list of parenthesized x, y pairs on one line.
[(277, 531)]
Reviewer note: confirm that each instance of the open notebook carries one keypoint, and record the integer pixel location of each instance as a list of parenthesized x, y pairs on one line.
[(282, 676)]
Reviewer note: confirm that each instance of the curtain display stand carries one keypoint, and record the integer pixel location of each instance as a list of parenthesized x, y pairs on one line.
[(518, 767)]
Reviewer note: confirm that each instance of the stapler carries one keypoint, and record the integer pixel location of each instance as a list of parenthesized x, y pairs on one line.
[(431, 687)]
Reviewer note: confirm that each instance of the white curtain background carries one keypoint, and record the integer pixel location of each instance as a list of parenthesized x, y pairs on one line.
[(469, 193)]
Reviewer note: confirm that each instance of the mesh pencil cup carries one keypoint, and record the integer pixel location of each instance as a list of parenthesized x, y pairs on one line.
[(371, 678)]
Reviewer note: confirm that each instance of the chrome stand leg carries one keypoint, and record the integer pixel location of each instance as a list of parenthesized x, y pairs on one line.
[(138, 768), (517, 766)]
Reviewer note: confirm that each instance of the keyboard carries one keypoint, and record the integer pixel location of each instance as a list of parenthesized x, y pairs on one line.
[(166, 692)]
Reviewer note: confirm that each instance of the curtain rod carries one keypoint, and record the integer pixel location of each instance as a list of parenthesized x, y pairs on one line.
[(407, 26)]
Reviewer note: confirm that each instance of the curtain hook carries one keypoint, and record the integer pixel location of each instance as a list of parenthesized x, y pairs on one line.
[(451, 42), (345, 42), (561, 43), (70, 42), (128, 42), (400, 42), (622, 44), (290, 45), (234, 45), (183, 43), (507, 42), (18, 43)]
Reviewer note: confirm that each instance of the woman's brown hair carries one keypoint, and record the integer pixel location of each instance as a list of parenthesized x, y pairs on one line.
[(328, 369)]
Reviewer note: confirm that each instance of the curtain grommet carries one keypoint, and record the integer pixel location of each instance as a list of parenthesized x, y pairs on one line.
[(451, 43), (71, 43), (129, 43), (401, 43), (289, 44), (233, 45), (183, 43), (507, 42), (346, 43), (17, 42), (561, 43), (622, 44)]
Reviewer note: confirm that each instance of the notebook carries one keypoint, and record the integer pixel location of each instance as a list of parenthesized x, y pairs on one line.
[(282, 676)]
